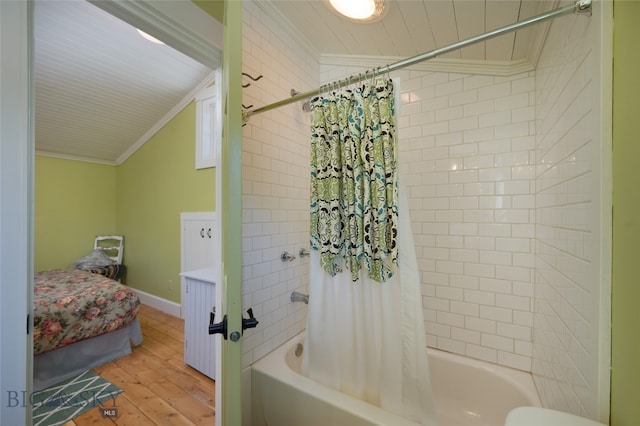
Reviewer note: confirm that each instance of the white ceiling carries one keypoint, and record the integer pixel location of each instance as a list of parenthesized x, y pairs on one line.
[(411, 27), (101, 89), (100, 86)]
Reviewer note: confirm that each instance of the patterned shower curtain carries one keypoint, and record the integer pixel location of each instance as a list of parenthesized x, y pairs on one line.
[(365, 328), (354, 188)]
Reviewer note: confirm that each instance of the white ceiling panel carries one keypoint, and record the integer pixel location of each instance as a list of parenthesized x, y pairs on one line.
[(499, 13), (442, 19), (416, 25), (412, 27), (99, 85), (470, 21)]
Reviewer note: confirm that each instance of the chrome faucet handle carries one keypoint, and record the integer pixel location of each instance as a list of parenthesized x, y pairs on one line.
[(304, 252), (286, 257)]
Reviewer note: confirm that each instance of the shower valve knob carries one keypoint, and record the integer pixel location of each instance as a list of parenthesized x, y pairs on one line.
[(218, 328), (250, 322)]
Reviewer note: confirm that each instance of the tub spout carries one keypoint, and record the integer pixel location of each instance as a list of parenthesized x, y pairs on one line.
[(299, 297)]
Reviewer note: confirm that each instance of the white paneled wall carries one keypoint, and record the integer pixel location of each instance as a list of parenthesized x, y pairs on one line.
[(567, 341)]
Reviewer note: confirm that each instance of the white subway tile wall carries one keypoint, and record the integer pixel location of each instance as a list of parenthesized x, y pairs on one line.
[(566, 341), (275, 186), (499, 174), (469, 188), (467, 160)]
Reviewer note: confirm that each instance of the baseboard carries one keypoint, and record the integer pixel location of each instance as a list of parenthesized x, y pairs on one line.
[(164, 305)]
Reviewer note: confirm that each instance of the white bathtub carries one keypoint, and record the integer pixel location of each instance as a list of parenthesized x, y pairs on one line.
[(467, 393)]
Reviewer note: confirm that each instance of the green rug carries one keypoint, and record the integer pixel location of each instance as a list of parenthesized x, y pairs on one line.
[(64, 401)]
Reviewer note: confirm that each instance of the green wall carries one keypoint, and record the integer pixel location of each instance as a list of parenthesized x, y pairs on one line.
[(214, 8), (625, 331), (154, 186), (74, 202), (141, 199)]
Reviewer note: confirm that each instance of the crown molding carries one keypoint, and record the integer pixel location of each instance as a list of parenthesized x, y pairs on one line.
[(74, 158), (462, 66), (166, 118), (181, 24)]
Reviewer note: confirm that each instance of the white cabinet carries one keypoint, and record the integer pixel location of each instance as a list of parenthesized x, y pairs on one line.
[(199, 261), (198, 244), (199, 301)]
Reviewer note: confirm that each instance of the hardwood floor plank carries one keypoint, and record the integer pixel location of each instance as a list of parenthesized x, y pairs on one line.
[(192, 408), (158, 388)]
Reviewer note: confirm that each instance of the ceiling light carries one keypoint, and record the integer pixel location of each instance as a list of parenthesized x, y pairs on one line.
[(148, 37), (359, 10)]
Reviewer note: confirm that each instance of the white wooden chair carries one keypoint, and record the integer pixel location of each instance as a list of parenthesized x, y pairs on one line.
[(111, 245)]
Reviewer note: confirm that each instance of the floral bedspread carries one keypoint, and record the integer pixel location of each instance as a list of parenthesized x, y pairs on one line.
[(72, 305)]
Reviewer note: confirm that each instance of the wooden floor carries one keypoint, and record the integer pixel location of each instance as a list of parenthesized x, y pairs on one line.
[(159, 389)]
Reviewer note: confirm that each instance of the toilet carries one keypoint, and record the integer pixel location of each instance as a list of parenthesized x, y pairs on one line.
[(537, 416)]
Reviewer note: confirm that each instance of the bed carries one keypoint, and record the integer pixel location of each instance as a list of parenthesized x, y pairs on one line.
[(82, 319)]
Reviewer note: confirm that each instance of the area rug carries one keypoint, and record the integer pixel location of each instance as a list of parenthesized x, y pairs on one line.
[(64, 401)]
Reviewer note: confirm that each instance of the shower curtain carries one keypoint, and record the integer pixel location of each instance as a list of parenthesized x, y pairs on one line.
[(365, 330)]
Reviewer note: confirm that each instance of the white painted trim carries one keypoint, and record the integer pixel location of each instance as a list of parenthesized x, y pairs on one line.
[(75, 158), (16, 212), (166, 118), (198, 216), (164, 305), (181, 24), (604, 10), (220, 292), (208, 100), (462, 66)]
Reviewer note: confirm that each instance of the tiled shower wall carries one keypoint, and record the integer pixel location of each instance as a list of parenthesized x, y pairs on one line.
[(275, 172), (567, 340), (467, 157), (468, 147)]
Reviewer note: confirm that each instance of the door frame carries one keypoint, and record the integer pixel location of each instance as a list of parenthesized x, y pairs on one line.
[(185, 27), (230, 213), (16, 211)]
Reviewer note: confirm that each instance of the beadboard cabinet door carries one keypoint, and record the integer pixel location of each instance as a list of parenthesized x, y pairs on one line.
[(197, 244), (199, 303)]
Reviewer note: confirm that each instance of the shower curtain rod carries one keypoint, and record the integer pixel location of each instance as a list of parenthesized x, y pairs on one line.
[(578, 6)]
